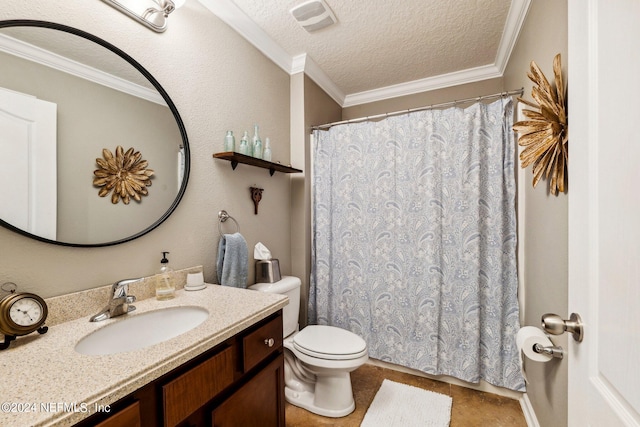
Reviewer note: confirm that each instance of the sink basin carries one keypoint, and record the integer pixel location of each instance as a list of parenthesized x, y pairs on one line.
[(133, 332)]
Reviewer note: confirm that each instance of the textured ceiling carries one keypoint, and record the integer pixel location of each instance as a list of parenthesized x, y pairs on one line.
[(378, 49), (380, 43)]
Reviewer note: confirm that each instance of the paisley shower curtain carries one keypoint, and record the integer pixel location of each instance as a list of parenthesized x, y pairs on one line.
[(414, 240)]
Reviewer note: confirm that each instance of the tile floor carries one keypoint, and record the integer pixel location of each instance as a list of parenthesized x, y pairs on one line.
[(470, 408)]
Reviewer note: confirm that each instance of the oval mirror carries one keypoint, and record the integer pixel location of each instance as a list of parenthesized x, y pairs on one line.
[(65, 96)]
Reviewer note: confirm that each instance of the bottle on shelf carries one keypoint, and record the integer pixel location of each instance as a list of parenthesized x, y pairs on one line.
[(229, 141), (257, 150), (257, 143), (266, 155), (244, 144)]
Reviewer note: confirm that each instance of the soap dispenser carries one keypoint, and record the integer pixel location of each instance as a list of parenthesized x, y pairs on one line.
[(165, 283)]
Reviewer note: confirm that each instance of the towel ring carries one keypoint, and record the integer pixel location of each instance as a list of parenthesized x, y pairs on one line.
[(223, 216)]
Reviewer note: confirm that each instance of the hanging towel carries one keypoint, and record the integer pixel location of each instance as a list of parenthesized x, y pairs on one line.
[(233, 261)]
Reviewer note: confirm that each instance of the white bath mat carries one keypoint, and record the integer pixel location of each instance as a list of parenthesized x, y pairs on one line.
[(401, 405)]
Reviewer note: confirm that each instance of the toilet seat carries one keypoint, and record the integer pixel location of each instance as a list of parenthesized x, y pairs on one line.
[(329, 342)]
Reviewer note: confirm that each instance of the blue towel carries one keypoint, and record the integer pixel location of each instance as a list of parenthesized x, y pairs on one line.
[(233, 261)]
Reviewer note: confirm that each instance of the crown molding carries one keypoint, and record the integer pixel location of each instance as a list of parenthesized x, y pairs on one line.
[(423, 85), (304, 63), (237, 19), (299, 63), (49, 59), (515, 20)]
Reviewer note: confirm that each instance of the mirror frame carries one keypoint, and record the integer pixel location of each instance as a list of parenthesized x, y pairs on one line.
[(156, 85)]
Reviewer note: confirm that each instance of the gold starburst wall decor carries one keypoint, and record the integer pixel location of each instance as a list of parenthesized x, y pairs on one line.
[(545, 132), (125, 175)]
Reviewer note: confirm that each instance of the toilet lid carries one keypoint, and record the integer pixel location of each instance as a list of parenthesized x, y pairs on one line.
[(329, 342)]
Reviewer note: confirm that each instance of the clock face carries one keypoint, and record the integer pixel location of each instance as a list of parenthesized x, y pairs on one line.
[(26, 312), (22, 313)]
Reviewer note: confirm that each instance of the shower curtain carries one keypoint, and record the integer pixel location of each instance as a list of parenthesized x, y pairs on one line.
[(414, 240)]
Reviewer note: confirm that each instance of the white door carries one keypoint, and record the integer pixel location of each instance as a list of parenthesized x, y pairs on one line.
[(604, 211), (28, 187)]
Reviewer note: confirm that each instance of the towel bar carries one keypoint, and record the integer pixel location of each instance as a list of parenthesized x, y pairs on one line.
[(223, 216)]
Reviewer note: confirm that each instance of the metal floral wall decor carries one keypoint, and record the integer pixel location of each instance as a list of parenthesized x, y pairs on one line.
[(545, 132), (125, 175)]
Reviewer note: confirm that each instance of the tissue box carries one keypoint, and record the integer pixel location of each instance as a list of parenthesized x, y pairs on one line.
[(267, 271)]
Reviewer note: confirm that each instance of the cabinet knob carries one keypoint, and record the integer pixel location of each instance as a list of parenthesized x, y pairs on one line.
[(269, 342)]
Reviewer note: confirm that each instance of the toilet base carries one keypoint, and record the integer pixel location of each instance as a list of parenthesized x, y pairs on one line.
[(305, 400), (321, 386), (321, 390)]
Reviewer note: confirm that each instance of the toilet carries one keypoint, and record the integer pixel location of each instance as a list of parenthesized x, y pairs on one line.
[(318, 359)]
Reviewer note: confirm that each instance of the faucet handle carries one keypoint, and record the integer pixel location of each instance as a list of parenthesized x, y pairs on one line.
[(121, 288)]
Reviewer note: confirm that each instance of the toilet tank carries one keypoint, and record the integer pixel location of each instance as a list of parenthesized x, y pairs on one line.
[(289, 286)]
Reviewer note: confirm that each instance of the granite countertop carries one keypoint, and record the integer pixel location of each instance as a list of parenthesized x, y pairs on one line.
[(47, 383)]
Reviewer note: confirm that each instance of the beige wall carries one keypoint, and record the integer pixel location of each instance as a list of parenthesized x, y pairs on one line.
[(545, 240), (210, 72), (310, 106)]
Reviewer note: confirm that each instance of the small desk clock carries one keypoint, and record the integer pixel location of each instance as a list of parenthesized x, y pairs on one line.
[(20, 314)]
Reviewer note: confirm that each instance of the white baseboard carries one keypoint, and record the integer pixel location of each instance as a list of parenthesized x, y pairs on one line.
[(529, 413)]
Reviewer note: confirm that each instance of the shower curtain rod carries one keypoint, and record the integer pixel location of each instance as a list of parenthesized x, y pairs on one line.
[(518, 92)]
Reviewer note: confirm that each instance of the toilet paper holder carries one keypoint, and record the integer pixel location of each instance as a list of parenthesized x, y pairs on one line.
[(552, 350)]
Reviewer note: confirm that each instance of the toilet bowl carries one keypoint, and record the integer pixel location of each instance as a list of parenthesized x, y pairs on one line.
[(318, 359)]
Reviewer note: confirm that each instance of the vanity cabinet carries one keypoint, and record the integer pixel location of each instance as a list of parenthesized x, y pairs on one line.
[(260, 401), (256, 403), (193, 389), (239, 382), (127, 417)]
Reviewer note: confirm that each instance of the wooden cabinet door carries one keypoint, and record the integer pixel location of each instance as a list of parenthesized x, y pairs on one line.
[(193, 389), (128, 417), (260, 402), (259, 344)]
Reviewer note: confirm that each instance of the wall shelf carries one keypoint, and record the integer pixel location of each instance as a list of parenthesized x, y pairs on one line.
[(236, 158)]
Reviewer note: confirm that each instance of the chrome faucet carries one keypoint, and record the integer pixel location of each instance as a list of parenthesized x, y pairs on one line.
[(119, 301)]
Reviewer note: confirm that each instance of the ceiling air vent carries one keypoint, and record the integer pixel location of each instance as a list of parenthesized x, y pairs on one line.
[(313, 15)]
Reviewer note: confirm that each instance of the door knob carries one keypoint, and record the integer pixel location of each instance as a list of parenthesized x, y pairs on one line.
[(556, 325)]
